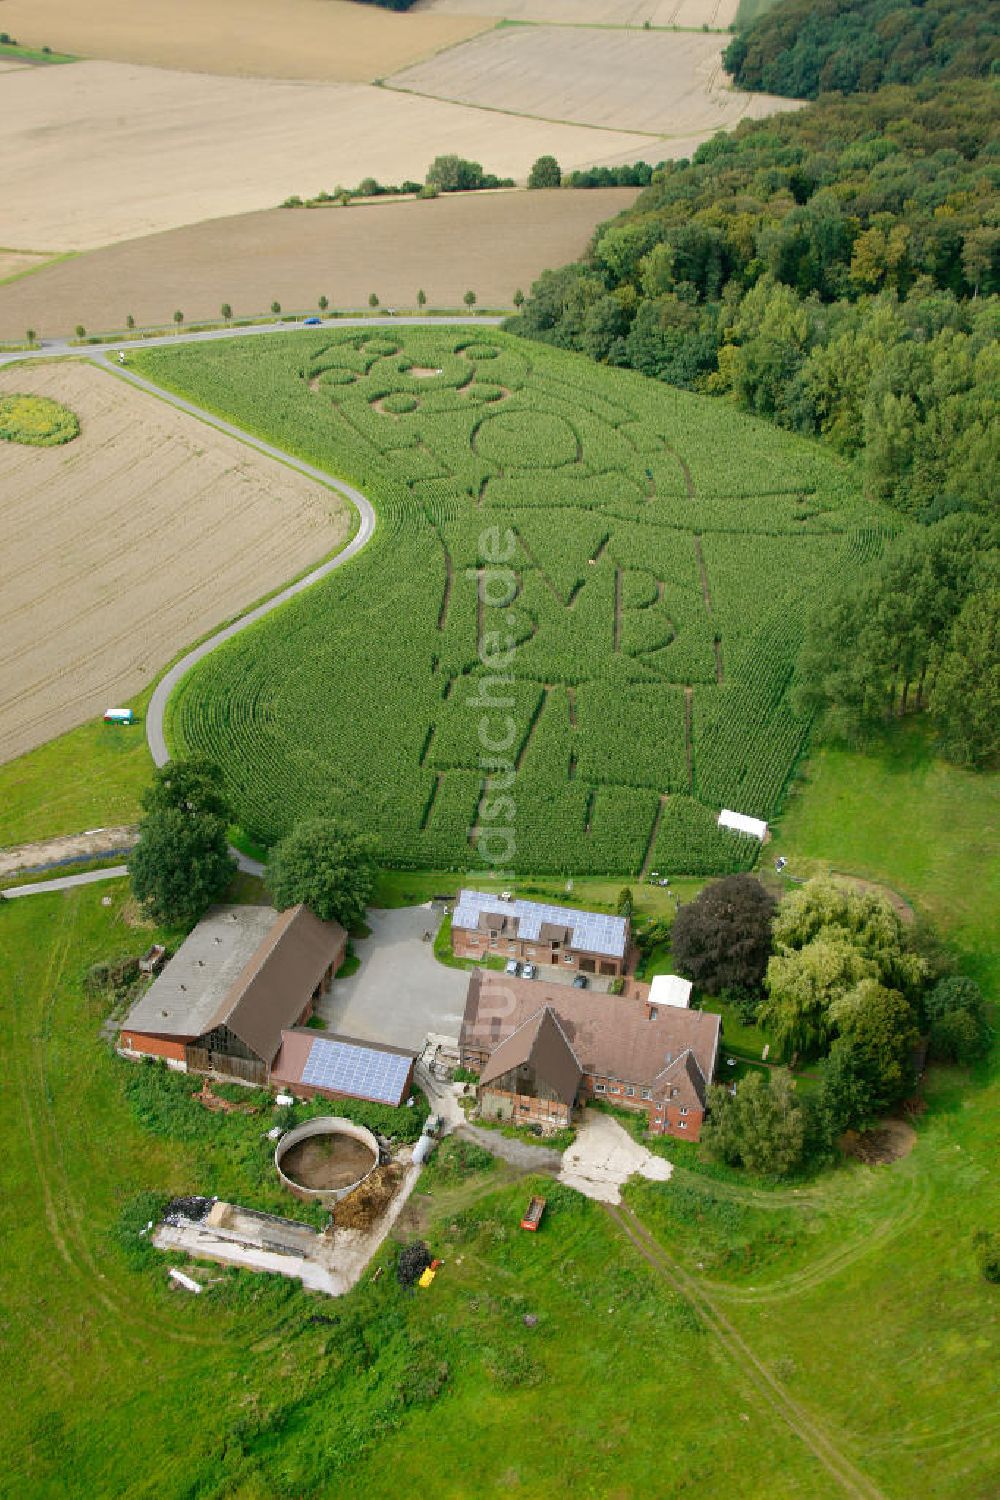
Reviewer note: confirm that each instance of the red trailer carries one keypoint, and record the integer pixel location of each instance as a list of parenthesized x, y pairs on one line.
[(533, 1214)]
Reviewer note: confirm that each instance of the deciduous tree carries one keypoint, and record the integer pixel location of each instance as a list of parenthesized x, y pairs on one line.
[(764, 1127), (545, 173), (328, 865), (723, 937), (180, 865)]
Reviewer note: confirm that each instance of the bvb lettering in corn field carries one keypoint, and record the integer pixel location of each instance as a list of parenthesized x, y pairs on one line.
[(663, 550)]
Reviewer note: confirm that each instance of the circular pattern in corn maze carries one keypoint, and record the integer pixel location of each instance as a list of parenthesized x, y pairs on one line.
[(572, 638)]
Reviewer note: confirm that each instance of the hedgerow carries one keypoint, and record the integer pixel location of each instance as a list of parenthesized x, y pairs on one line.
[(661, 555)]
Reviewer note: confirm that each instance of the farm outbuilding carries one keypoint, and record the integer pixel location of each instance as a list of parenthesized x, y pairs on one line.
[(241, 978), (313, 1063), (754, 828), (670, 989)]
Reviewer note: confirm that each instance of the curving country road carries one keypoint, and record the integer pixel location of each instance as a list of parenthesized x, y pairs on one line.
[(98, 355), (60, 348)]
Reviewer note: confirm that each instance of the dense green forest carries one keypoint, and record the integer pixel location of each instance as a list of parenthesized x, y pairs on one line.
[(835, 270), (804, 48)]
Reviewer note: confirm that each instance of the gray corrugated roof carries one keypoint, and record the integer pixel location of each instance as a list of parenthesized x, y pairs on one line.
[(250, 968), (183, 999), (592, 931)]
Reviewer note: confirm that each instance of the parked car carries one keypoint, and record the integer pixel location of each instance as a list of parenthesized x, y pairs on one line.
[(530, 971), (513, 967), (580, 982), (311, 322)]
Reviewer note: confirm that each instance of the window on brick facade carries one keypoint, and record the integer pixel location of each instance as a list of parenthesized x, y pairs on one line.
[(683, 1124), (683, 1109), (647, 1093), (630, 1091), (598, 1088)]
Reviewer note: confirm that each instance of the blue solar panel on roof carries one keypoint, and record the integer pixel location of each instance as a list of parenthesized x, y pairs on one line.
[(346, 1068), (593, 931)]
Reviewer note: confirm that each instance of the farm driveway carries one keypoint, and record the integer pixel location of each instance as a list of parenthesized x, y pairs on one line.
[(401, 992), (604, 1156), (518, 1153)]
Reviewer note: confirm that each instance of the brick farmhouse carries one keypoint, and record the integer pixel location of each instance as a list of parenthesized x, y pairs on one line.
[(583, 941), (542, 1049)]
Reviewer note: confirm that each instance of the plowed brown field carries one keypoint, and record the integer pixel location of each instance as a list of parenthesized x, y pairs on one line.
[(95, 152), (321, 39), (668, 83), (129, 543), (694, 13), (491, 242)]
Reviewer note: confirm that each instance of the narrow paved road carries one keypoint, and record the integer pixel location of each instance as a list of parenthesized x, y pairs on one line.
[(59, 348), (98, 354), (64, 883)]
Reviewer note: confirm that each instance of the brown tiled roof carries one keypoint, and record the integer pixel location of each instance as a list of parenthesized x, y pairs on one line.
[(275, 984), (613, 1036), (541, 1042), (682, 1082)]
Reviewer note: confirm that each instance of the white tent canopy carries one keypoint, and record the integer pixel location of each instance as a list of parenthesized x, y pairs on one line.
[(670, 989), (756, 828)]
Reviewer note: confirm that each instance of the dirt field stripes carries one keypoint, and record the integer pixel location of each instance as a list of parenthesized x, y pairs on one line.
[(130, 542), (336, 40), (693, 14), (491, 242), (664, 83), (179, 140)]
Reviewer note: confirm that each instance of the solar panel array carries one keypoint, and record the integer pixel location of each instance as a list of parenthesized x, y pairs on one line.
[(593, 932), (348, 1068)]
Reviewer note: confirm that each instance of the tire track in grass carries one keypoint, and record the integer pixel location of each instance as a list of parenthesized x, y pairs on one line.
[(770, 1390), (828, 1266), (66, 1223)]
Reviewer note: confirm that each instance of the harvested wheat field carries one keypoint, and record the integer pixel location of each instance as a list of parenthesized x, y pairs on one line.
[(317, 39), (491, 242), (668, 83), (695, 13), (129, 542), (126, 151)]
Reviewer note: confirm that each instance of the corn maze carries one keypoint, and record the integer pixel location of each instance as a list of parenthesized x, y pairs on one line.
[(579, 614)]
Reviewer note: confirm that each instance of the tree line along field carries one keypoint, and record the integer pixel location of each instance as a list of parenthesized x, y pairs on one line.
[(662, 551)]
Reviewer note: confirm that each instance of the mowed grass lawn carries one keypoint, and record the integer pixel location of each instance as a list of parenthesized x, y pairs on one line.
[(88, 778)]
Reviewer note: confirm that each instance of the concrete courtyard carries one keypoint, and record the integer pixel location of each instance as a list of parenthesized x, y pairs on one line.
[(400, 992)]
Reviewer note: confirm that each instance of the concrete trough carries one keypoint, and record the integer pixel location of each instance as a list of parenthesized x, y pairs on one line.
[(325, 1159)]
